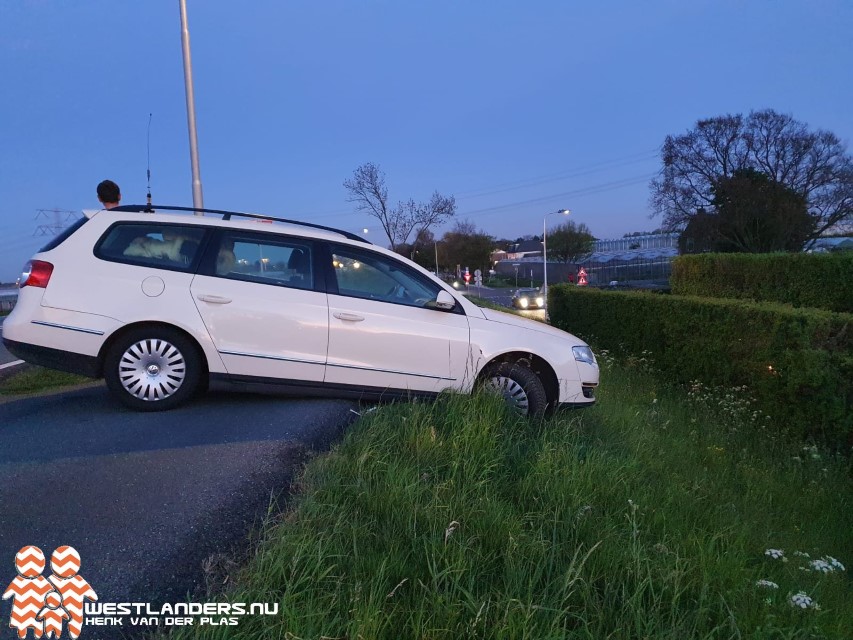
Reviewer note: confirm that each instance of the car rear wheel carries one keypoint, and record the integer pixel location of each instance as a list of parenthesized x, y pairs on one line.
[(522, 389), (153, 369)]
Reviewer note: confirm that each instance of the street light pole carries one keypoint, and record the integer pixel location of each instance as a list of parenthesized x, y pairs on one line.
[(565, 212), (198, 202)]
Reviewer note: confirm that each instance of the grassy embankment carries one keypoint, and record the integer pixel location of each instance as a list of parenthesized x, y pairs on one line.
[(651, 515), (37, 379)]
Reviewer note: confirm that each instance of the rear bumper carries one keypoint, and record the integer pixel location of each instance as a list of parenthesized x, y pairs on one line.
[(55, 358)]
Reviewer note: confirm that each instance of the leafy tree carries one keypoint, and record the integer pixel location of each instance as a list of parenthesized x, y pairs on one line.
[(527, 237), (367, 189), (758, 215), (812, 164), (569, 241), (467, 247), (701, 234), (422, 250)]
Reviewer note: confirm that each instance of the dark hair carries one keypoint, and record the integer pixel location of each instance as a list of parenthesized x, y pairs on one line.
[(108, 191)]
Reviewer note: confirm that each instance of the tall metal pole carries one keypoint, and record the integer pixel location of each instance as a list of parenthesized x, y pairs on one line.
[(544, 255), (198, 200), (565, 212)]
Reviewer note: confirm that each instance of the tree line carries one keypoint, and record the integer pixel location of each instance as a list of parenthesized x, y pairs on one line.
[(757, 183), (409, 225)]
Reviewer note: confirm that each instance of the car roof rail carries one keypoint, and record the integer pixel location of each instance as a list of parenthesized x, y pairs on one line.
[(226, 215)]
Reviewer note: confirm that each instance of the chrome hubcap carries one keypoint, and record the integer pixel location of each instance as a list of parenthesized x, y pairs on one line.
[(152, 370), (512, 392)]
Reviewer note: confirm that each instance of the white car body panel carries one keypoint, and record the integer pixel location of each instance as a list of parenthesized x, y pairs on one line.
[(265, 331), (60, 329), (491, 336), (395, 345)]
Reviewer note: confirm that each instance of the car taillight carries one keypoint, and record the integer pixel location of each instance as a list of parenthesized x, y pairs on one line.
[(36, 273)]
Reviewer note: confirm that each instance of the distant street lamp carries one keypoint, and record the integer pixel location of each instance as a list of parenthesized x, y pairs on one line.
[(564, 212)]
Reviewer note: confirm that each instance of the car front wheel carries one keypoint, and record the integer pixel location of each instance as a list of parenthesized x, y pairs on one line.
[(153, 369), (522, 389)]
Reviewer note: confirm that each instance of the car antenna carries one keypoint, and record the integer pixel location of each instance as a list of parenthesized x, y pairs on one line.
[(148, 142)]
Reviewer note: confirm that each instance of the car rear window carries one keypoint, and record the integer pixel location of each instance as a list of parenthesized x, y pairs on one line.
[(163, 246), (65, 234), (265, 258)]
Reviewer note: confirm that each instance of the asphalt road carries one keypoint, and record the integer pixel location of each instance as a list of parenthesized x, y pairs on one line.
[(146, 498)]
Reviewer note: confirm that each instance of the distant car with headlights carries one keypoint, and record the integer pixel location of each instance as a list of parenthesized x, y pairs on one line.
[(528, 299)]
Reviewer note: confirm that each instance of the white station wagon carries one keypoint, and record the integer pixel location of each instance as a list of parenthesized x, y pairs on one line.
[(164, 305)]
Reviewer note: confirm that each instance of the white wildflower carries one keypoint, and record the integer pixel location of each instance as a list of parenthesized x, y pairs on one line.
[(821, 565), (827, 564), (766, 584), (801, 554), (802, 601), (776, 554)]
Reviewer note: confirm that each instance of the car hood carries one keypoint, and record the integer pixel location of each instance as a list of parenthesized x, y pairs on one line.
[(531, 325)]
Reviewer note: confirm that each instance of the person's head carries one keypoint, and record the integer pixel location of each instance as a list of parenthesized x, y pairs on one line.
[(109, 194)]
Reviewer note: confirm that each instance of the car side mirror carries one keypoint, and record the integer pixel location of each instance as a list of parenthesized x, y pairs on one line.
[(444, 301)]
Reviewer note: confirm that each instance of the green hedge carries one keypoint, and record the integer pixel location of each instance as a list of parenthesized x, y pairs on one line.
[(822, 281), (797, 362)]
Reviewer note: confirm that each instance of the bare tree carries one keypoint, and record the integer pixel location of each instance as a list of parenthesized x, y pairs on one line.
[(368, 191), (813, 164)]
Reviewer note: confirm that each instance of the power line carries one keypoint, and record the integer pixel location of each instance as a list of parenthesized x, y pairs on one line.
[(595, 167), (576, 193), (571, 173)]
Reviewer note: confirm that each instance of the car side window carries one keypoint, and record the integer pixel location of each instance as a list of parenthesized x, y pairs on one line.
[(164, 246), (265, 258), (365, 274)]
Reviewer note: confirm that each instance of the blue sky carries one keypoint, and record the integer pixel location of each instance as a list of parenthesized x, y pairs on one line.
[(517, 108)]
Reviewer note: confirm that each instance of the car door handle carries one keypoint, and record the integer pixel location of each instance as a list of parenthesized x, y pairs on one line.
[(349, 317), (204, 297)]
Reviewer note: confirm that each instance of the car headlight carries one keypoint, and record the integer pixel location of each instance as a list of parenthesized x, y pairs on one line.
[(523, 302), (584, 354), (540, 302)]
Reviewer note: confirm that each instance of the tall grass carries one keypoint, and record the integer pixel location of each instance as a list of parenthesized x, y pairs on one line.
[(647, 516)]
